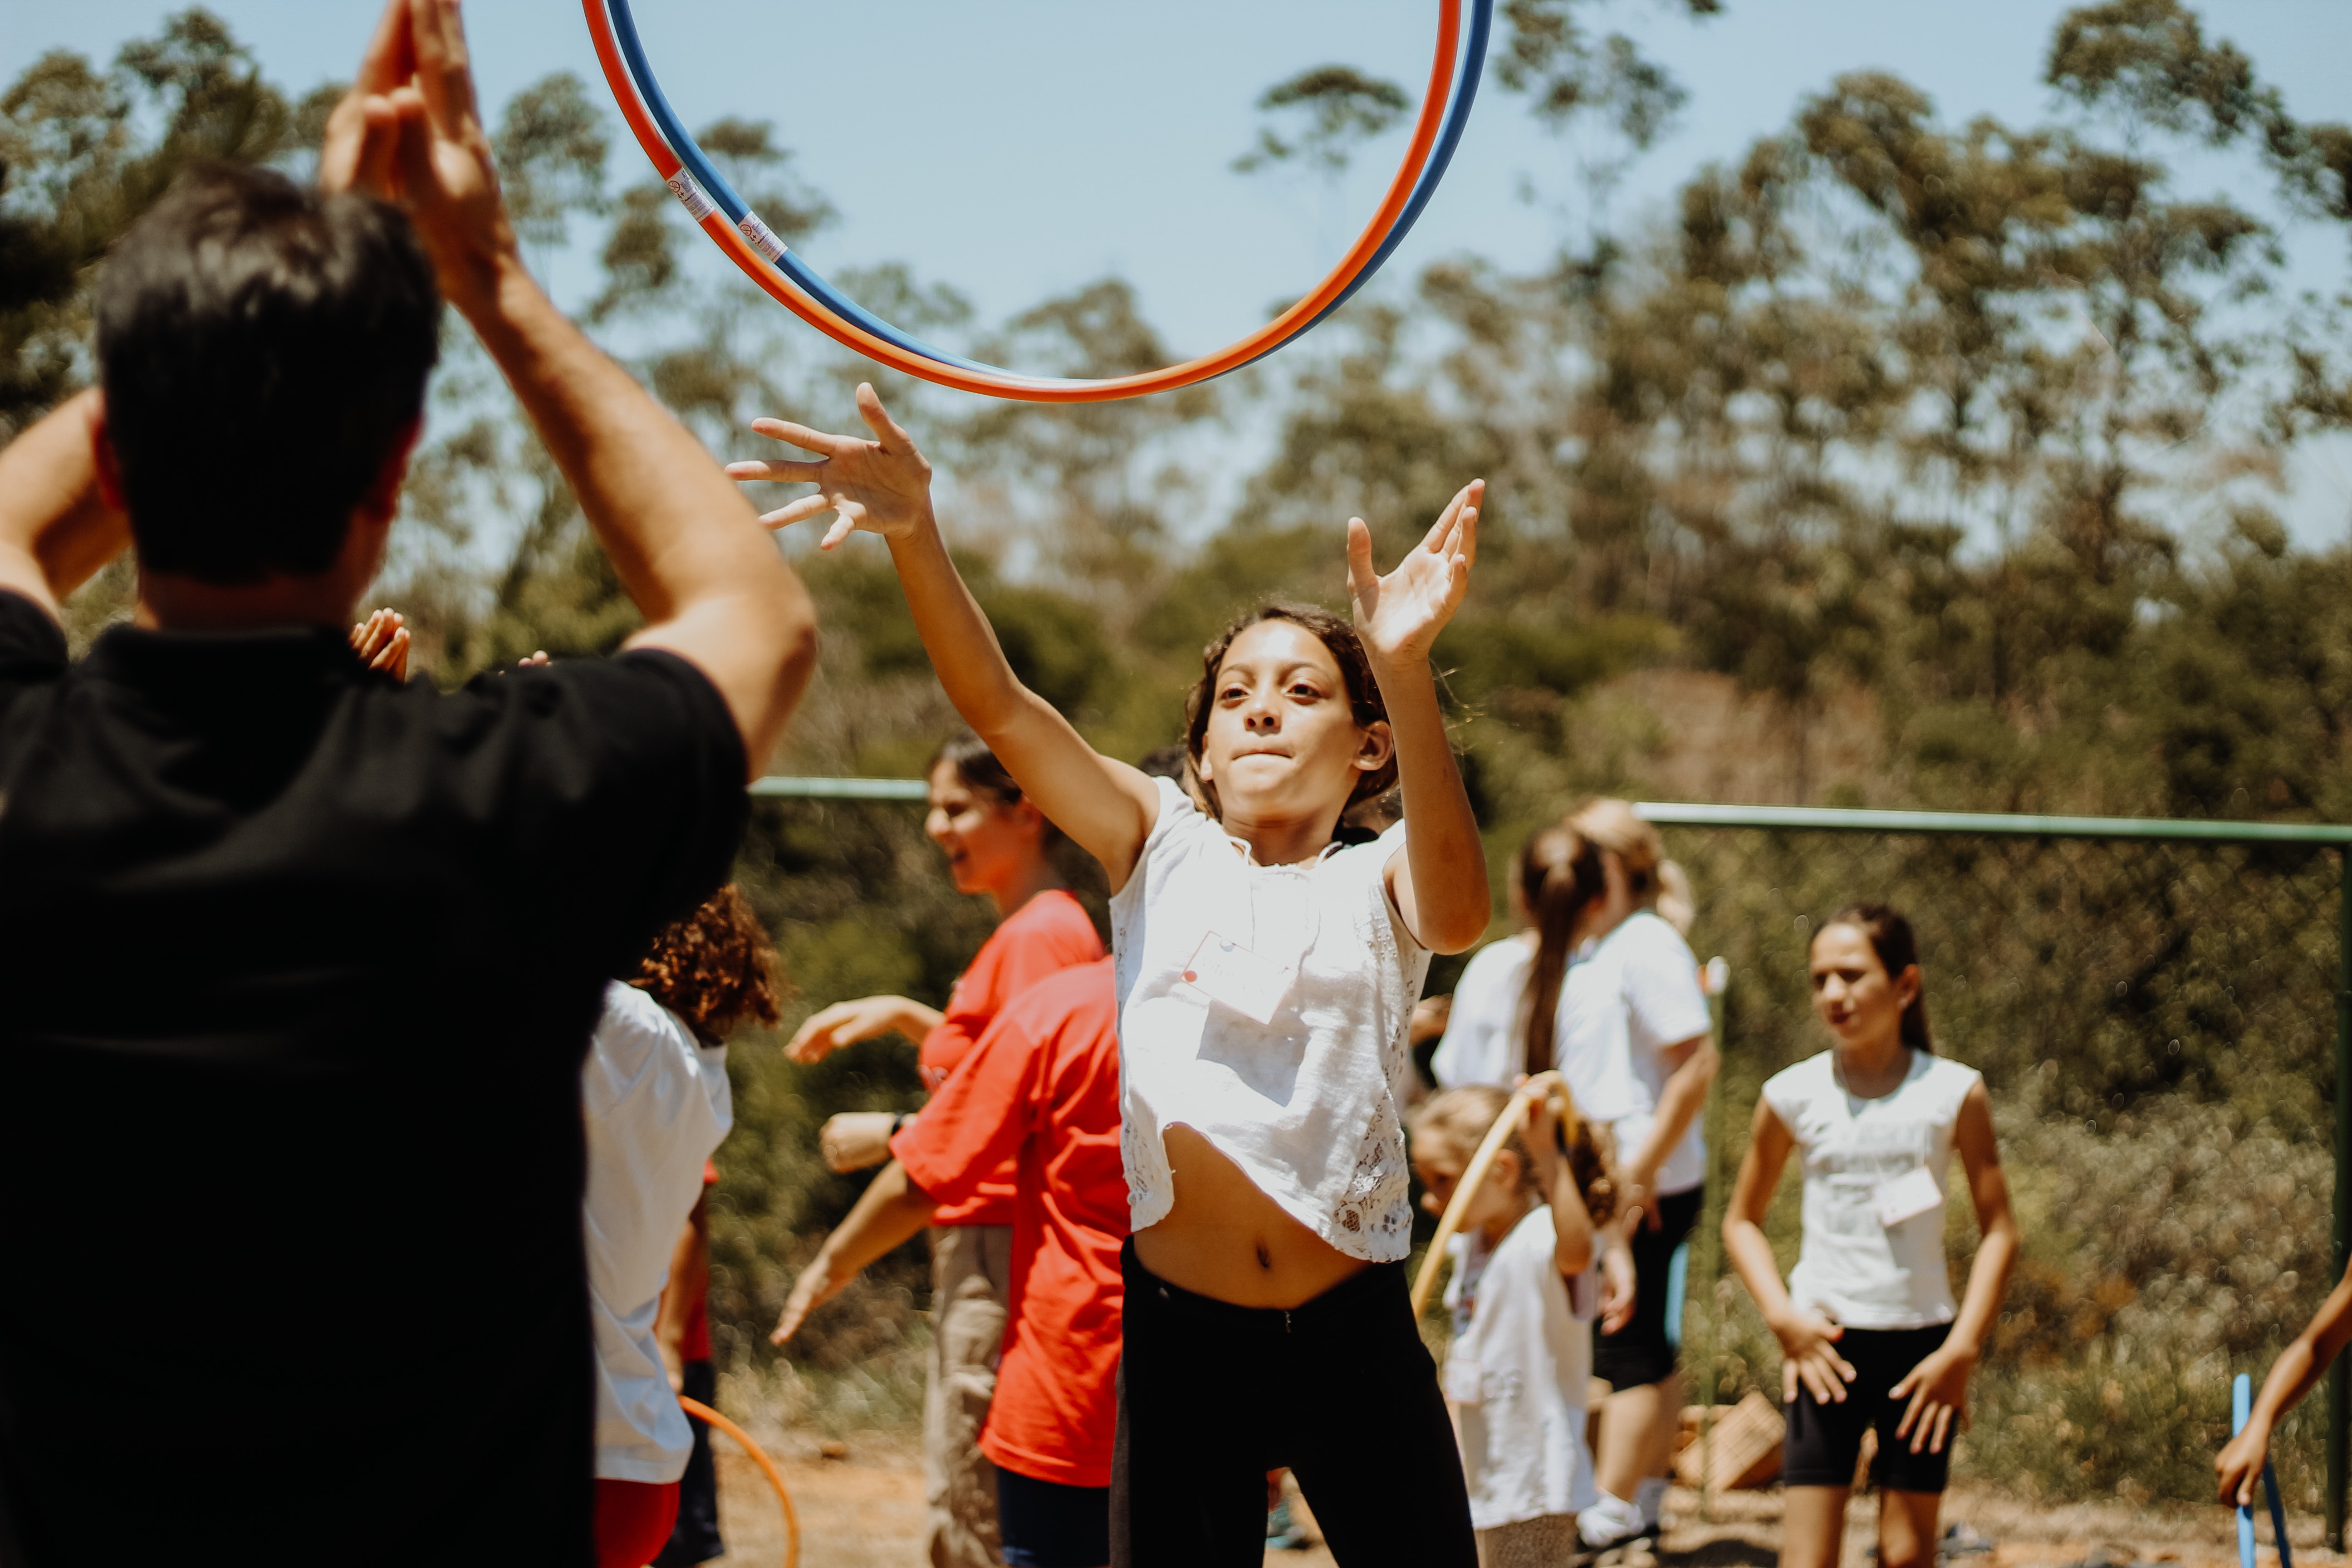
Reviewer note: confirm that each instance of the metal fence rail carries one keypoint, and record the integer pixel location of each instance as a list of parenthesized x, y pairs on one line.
[(2100, 963)]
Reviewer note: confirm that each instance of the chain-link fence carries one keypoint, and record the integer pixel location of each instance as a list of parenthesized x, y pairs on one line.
[(2154, 1008), (2159, 1012)]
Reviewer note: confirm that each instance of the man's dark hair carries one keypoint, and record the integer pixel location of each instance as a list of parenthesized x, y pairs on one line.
[(263, 348)]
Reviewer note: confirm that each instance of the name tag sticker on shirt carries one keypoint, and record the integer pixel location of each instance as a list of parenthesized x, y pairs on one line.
[(1907, 1197), (1229, 972)]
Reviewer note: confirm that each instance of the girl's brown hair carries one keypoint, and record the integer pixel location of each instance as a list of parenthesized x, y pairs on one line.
[(716, 968), (1460, 1118), (1898, 950), (1616, 826), (1364, 701), (1559, 872)]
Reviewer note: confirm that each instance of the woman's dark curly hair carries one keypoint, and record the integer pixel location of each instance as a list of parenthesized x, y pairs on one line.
[(716, 968), (1364, 701)]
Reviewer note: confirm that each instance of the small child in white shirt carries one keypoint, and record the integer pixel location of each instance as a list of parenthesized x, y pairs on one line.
[(1529, 1267)]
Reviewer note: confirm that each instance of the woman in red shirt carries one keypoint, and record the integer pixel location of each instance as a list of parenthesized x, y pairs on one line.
[(1041, 1091), (996, 843)]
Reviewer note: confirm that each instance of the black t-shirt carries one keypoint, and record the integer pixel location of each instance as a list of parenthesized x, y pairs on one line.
[(298, 967)]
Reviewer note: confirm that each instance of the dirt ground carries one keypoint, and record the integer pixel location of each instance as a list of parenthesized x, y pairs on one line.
[(865, 1509)]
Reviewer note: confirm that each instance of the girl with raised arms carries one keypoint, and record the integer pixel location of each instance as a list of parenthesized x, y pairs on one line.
[(1266, 979), (1870, 1336)]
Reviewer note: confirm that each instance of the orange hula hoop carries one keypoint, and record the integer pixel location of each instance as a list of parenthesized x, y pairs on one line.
[(1006, 384), (701, 1412)]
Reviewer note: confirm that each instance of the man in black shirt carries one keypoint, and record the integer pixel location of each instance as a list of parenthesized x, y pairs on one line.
[(297, 965)]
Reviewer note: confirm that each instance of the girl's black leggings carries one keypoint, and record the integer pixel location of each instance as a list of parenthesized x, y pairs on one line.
[(1341, 1391)]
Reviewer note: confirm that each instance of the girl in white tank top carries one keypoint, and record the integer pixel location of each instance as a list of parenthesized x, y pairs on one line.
[(1871, 1336), (1267, 971)]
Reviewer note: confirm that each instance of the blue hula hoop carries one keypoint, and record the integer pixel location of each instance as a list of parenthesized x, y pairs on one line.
[(704, 182)]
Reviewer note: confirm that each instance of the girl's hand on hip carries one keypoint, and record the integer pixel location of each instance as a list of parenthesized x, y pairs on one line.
[(882, 486), (1938, 1391), (1400, 615), (1808, 1356)]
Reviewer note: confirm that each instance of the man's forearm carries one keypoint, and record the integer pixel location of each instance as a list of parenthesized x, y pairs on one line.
[(56, 528), (688, 547)]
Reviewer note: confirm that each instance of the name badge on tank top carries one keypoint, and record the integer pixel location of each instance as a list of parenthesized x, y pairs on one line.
[(1227, 971), (1907, 1196)]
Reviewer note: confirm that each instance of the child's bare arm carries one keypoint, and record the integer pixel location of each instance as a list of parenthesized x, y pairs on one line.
[(1572, 1222), (1440, 882), (2295, 1373), (1808, 1339), (884, 486)]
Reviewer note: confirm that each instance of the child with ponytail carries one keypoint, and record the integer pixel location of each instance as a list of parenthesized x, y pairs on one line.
[(1524, 1288), (1266, 977), (1870, 1334), (1603, 987)]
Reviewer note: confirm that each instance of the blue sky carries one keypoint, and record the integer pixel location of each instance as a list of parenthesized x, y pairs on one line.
[(1021, 148)]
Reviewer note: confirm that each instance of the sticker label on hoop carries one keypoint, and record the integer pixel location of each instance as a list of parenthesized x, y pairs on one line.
[(1231, 973), (763, 238), (1907, 1196), (690, 195)]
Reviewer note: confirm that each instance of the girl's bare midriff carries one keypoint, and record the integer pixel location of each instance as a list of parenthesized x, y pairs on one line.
[(1225, 1239)]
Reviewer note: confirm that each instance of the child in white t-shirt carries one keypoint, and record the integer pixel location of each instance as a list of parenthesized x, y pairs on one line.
[(1527, 1283), (1267, 974), (1871, 1337), (655, 1104)]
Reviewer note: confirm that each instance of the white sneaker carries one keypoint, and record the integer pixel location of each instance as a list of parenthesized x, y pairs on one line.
[(1611, 1522)]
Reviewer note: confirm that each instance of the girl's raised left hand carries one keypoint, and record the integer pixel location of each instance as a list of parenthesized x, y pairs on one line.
[(1400, 615), (1938, 1391)]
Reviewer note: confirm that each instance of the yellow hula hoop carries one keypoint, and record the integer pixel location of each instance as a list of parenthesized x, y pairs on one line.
[(1474, 1177), (701, 1412)]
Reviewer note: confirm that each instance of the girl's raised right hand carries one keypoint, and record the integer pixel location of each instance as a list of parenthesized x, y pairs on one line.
[(1809, 1355), (882, 486)]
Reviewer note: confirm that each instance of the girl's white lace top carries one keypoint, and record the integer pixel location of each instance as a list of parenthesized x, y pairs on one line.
[(1307, 1105)]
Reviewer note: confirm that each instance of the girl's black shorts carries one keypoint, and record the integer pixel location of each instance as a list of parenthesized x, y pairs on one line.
[(1825, 1440)]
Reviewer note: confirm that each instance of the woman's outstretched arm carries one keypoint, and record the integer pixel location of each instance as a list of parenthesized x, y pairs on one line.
[(884, 486), (2295, 1373), (891, 1210)]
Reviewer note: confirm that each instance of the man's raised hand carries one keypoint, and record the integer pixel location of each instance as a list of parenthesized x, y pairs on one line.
[(411, 131), (1400, 615), (882, 486)]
